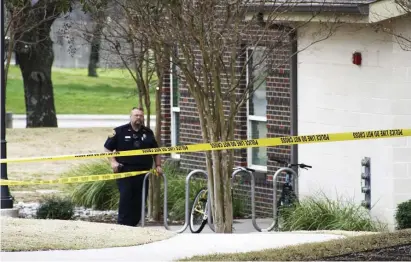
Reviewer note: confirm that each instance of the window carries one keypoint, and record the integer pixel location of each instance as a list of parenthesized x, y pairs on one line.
[(257, 106), (175, 108)]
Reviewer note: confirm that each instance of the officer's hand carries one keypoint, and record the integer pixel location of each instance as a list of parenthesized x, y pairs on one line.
[(115, 166), (159, 170)]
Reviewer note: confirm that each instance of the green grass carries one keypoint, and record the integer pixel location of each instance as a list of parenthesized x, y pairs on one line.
[(316, 251), (113, 92)]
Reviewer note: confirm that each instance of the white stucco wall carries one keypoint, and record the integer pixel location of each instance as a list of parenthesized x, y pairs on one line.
[(335, 95)]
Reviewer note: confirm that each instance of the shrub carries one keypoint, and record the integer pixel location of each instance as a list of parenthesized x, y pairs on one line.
[(176, 188), (104, 195), (176, 179), (55, 208), (238, 208), (322, 213), (403, 215), (99, 195)]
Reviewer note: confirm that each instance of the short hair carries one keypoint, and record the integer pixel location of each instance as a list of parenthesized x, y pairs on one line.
[(138, 108)]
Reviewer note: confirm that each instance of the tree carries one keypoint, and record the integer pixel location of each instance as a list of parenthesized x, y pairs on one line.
[(216, 43), (161, 58), (96, 43), (137, 56), (401, 38), (121, 38), (8, 44), (29, 32), (30, 36)]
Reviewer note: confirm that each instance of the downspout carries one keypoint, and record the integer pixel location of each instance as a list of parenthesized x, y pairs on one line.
[(294, 96)]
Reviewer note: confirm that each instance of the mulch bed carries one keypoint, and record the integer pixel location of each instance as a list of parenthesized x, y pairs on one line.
[(394, 253)]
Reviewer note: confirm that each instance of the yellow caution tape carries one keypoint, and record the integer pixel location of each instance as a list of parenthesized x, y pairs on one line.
[(71, 180), (261, 142)]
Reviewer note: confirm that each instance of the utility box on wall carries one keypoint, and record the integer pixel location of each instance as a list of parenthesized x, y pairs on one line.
[(366, 182)]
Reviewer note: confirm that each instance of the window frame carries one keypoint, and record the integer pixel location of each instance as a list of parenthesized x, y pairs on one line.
[(251, 118), (174, 110)]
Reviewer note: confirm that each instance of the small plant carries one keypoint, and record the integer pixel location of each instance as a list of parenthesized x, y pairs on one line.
[(176, 190), (403, 215), (322, 213), (104, 195), (99, 195), (238, 208), (55, 208)]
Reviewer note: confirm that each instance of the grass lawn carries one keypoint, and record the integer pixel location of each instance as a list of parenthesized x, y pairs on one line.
[(61, 141), (113, 92), (42, 234)]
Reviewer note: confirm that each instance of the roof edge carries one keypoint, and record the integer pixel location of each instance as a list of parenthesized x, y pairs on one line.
[(372, 12), (362, 9)]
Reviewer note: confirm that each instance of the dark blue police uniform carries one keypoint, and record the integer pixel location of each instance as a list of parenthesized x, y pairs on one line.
[(126, 138)]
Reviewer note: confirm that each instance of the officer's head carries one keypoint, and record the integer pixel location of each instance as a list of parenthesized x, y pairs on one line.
[(137, 116)]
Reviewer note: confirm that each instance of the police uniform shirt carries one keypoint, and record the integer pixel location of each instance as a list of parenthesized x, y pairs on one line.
[(126, 138)]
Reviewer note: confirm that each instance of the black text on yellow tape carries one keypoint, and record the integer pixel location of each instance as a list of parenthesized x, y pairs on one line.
[(71, 180), (262, 142)]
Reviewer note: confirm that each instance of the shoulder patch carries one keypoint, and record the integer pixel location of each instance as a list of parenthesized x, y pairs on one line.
[(112, 134)]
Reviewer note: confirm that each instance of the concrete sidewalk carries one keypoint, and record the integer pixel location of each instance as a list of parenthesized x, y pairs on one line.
[(178, 247), (244, 238)]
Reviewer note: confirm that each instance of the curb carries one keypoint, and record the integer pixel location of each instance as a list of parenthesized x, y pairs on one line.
[(86, 117)]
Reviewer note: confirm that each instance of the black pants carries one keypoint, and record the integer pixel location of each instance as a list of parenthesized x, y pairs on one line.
[(131, 189)]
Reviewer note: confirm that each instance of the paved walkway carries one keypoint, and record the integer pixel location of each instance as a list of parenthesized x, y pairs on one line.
[(245, 238), (178, 247)]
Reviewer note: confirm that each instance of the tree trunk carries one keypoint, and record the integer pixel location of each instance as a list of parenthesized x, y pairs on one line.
[(95, 50), (159, 60), (227, 169), (154, 189), (9, 55), (156, 180), (35, 61), (223, 209)]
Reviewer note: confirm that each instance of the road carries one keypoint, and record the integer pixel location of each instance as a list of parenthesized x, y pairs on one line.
[(76, 121)]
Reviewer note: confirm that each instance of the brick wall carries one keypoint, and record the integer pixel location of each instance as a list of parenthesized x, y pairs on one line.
[(190, 127), (278, 116), (166, 113), (190, 131), (278, 93)]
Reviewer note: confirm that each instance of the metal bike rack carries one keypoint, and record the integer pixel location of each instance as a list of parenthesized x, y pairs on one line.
[(210, 224), (295, 182), (252, 194), (143, 197), (165, 210)]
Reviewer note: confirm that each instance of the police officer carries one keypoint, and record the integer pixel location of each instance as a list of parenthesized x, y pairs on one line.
[(131, 136)]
